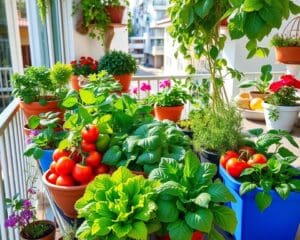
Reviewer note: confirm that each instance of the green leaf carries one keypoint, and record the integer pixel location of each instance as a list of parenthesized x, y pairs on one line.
[(64, 144), (289, 137), (254, 25), (215, 235), (248, 84), (256, 132), (284, 152), (33, 122), (220, 193), (85, 115), (206, 173), (112, 156), (84, 231), (225, 218), (171, 188), (252, 5), (121, 230), (151, 142), (101, 226), (200, 220), (251, 45), (247, 172), (295, 184), (283, 190), (70, 102), (87, 96), (192, 164), (138, 231), (236, 26), (202, 8), (247, 187), (179, 230), (266, 140), (202, 200), (263, 200), (295, 9), (121, 175), (262, 52), (236, 3), (149, 157), (38, 153), (71, 122), (214, 52), (271, 14), (30, 149), (167, 211)]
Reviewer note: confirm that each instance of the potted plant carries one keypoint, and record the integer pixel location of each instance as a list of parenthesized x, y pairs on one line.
[(121, 65), (23, 217), (190, 201), (40, 89), (115, 9), (120, 206), (281, 107), (42, 145), (267, 190), (81, 69)]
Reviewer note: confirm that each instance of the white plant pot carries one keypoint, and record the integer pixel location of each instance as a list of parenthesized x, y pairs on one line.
[(287, 117)]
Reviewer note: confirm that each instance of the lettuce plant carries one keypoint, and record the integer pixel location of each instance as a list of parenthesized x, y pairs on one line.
[(189, 200), (121, 206)]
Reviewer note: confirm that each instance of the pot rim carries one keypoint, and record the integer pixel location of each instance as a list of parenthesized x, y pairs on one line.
[(178, 106), (282, 108)]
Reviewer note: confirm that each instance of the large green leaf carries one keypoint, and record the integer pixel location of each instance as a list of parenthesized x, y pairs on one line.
[(151, 142), (271, 14), (167, 211), (84, 231), (253, 5), (149, 157), (138, 231), (225, 218), (200, 220), (112, 156), (263, 200), (253, 25), (192, 165), (206, 172), (295, 9), (179, 230), (101, 226), (121, 230), (247, 187), (236, 26), (87, 96), (171, 188), (220, 193), (121, 175), (283, 190), (202, 200), (69, 102), (33, 122), (202, 8)]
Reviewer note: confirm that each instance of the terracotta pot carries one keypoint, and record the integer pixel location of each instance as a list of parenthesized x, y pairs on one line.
[(125, 81), (171, 113), (65, 197), (50, 235), (257, 94), (288, 55), (115, 13), (77, 82), (35, 108)]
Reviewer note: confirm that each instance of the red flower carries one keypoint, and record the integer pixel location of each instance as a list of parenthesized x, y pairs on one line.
[(74, 62), (285, 80), (94, 67)]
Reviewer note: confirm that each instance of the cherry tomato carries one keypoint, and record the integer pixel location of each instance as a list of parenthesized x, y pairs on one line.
[(57, 154), (229, 154), (197, 235), (65, 180), (101, 169), (82, 174), (52, 167), (246, 152), (90, 133), (76, 157), (93, 159), (87, 146), (257, 158), (235, 167), (64, 166), (52, 178)]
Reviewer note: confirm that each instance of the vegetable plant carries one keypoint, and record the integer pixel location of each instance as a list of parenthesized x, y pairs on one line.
[(189, 200), (120, 206), (284, 41), (143, 149)]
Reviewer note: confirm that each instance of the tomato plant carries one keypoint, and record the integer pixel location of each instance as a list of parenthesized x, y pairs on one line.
[(93, 159), (57, 154), (235, 167), (102, 168), (90, 133), (229, 154), (246, 152), (82, 174), (257, 158), (64, 166), (65, 180), (87, 146)]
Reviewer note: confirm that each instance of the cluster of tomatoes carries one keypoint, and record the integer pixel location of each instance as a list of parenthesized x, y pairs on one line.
[(236, 161), (79, 167)]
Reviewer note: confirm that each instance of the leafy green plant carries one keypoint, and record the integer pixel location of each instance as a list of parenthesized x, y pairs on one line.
[(120, 206), (189, 200), (277, 174), (143, 149), (261, 85), (60, 75), (284, 41), (216, 131), (118, 63), (43, 7), (286, 96)]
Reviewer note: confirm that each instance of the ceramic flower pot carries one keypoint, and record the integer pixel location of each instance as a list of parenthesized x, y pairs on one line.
[(49, 234), (124, 80), (35, 108), (115, 13), (288, 55), (65, 197), (171, 113), (287, 116)]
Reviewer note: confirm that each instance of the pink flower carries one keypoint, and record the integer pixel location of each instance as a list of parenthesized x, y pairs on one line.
[(135, 90), (145, 87), (285, 80), (165, 83)]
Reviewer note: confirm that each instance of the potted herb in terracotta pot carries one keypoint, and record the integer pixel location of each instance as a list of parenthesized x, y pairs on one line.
[(41, 89), (281, 107), (23, 218), (121, 65), (115, 9), (81, 69)]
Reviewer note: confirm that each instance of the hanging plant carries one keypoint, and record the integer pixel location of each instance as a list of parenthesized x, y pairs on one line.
[(43, 6)]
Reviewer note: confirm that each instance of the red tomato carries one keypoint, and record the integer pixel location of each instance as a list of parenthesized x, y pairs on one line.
[(90, 133), (197, 235), (246, 152), (76, 156), (87, 147), (82, 174), (52, 178), (64, 166), (93, 159), (257, 158), (65, 181), (52, 167), (235, 167), (101, 169), (57, 154), (229, 154)]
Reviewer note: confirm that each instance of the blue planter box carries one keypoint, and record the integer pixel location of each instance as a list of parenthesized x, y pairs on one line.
[(278, 222), (46, 160)]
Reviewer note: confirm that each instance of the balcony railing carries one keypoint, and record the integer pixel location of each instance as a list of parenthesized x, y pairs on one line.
[(15, 168), (5, 86)]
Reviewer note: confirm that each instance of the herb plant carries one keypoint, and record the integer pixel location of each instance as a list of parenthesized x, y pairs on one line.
[(120, 206), (118, 63), (189, 200), (277, 174), (284, 41), (143, 149)]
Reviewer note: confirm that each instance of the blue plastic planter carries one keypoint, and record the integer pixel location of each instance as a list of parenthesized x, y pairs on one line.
[(278, 222), (46, 160)]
